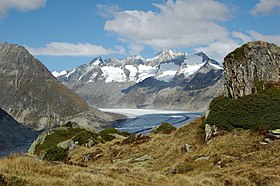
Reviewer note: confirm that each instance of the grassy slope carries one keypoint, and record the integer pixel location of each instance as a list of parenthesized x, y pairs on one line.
[(242, 159)]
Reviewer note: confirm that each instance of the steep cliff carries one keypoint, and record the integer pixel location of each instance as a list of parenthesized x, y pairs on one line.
[(251, 65)]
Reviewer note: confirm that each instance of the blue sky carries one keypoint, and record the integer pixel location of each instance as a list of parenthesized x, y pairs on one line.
[(66, 33)]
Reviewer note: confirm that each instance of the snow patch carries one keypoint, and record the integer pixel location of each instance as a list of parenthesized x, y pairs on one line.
[(145, 72), (56, 74), (133, 72), (113, 74), (71, 72), (216, 66)]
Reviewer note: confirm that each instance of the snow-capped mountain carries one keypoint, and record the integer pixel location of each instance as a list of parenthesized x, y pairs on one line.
[(163, 67), (119, 82)]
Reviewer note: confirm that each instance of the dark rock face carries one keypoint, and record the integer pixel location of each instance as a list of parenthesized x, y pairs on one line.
[(32, 95), (13, 136), (251, 65)]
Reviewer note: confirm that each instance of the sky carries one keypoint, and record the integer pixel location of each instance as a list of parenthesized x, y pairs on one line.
[(66, 33)]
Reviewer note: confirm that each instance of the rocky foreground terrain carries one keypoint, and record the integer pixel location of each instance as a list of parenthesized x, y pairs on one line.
[(223, 148), (35, 98)]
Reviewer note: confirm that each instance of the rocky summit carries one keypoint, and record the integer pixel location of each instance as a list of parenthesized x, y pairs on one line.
[(34, 97), (247, 68), (170, 80)]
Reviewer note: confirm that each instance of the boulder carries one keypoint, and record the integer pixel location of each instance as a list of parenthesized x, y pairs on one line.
[(187, 147), (275, 133), (249, 67), (210, 130), (68, 144)]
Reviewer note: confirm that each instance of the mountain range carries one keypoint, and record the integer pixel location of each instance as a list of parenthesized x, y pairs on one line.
[(170, 80)]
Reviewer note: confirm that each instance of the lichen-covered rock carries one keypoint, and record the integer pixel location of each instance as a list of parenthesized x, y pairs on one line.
[(247, 68), (68, 144), (210, 131)]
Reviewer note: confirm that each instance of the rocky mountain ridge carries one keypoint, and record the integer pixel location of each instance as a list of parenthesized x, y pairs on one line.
[(167, 81), (34, 97)]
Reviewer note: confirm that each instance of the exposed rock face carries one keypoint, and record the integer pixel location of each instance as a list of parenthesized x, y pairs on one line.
[(13, 136), (251, 65), (170, 80), (32, 95)]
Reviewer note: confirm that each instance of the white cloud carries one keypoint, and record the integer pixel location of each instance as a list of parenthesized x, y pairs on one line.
[(135, 48), (181, 23), (269, 38), (253, 36), (70, 49), (241, 36), (22, 5), (108, 11), (219, 49), (265, 7)]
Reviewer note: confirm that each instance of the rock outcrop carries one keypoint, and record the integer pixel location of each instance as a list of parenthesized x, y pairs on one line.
[(251, 98), (251, 65), (34, 97)]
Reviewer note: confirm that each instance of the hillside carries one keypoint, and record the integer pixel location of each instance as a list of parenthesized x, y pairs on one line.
[(169, 80), (232, 158), (35, 98), (13, 136)]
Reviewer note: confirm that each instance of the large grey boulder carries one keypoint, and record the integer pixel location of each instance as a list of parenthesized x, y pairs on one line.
[(247, 68)]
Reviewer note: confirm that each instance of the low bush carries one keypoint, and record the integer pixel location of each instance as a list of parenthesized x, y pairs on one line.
[(256, 111), (164, 128), (56, 154), (83, 137)]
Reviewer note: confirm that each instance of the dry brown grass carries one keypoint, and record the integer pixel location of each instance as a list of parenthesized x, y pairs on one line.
[(234, 158)]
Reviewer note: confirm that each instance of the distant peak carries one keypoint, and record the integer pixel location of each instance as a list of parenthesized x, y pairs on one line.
[(164, 52), (96, 61)]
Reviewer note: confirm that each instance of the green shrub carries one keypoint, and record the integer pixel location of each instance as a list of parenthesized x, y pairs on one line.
[(106, 134), (83, 137), (256, 111), (57, 136), (164, 128), (56, 154)]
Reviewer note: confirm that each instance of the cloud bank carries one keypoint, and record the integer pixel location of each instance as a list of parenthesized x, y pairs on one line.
[(70, 49), (22, 5), (183, 23), (265, 7)]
